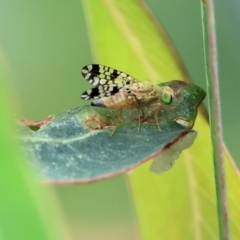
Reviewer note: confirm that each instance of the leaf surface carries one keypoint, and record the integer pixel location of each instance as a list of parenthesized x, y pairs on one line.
[(68, 151)]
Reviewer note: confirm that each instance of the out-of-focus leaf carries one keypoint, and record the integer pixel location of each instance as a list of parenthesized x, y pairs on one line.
[(180, 204), (24, 206)]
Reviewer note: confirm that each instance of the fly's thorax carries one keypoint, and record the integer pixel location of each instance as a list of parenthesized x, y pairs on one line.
[(144, 90), (148, 93), (143, 87)]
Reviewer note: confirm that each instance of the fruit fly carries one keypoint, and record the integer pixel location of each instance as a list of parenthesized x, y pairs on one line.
[(115, 89)]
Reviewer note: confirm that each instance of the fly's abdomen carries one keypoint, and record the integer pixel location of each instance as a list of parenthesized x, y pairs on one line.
[(117, 101), (98, 103)]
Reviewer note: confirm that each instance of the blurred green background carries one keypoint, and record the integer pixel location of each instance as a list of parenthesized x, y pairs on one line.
[(46, 44)]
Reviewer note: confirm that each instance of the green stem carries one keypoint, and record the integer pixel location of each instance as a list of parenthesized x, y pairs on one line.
[(211, 67)]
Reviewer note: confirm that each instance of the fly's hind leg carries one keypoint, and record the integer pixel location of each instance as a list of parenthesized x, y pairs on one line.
[(129, 102), (156, 111), (140, 117), (119, 119)]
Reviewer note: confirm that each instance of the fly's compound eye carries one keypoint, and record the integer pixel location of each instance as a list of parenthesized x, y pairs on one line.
[(167, 95)]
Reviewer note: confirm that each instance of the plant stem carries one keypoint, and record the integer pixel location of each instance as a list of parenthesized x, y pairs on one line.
[(211, 67)]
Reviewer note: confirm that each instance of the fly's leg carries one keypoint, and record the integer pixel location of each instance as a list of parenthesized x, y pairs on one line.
[(119, 119), (140, 116), (156, 106), (139, 110), (156, 111), (130, 102)]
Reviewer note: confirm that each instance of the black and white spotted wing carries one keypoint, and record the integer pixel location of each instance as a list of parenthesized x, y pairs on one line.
[(107, 81)]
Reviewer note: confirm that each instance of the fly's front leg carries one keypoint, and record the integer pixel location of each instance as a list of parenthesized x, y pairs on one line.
[(155, 106)]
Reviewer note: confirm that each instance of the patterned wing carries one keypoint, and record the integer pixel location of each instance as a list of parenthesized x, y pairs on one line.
[(107, 81)]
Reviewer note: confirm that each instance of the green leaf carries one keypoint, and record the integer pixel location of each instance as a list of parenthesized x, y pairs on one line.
[(78, 145), (180, 204)]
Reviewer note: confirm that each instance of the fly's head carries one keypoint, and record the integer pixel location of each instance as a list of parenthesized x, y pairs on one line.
[(180, 101)]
